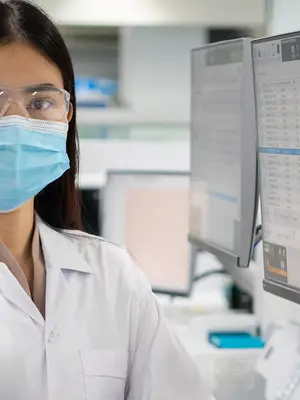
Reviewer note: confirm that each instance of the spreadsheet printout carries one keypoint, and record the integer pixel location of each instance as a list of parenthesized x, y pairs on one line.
[(277, 86), (216, 145)]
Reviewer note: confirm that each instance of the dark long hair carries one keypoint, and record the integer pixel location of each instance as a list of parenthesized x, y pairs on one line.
[(58, 204)]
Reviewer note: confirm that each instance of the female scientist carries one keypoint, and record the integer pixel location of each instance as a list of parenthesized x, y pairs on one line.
[(77, 319)]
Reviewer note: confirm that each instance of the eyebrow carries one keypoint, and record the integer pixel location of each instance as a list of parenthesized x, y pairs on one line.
[(40, 87), (34, 88)]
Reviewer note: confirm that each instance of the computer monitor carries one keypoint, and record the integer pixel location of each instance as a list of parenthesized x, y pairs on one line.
[(147, 212), (223, 201), (277, 91)]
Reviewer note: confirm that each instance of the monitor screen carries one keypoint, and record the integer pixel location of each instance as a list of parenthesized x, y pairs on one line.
[(148, 214), (223, 151), (277, 92)]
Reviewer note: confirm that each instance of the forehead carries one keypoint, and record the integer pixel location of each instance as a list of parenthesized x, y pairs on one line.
[(21, 65)]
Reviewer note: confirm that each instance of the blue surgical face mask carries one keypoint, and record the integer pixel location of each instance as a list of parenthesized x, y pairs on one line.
[(32, 155)]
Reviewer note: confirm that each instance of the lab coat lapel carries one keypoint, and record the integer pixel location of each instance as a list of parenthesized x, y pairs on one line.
[(15, 294), (62, 258), (56, 297)]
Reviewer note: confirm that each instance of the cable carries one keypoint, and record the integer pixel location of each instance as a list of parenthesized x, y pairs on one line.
[(210, 273), (258, 235), (258, 228), (258, 238)]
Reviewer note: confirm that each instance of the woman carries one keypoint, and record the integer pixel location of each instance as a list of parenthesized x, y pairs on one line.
[(77, 319)]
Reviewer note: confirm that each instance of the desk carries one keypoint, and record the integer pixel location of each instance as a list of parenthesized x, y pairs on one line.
[(228, 372)]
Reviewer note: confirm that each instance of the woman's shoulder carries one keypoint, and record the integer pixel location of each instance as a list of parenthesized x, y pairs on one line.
[(98, 247), (108, 260), (111, 265)]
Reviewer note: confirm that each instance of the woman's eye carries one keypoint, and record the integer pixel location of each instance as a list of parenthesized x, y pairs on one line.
[(41, 105)]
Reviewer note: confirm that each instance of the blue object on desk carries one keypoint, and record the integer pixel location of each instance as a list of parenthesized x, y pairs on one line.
[(235, 340)]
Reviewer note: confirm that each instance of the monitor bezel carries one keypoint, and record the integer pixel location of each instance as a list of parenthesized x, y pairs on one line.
[(276, 288), (266, 39), (193, 252), (249, 165), (282, 290)]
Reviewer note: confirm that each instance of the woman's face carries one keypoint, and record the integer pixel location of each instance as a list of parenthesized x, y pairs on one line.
[(21, 66)]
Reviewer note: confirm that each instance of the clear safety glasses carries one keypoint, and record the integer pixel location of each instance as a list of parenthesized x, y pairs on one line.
[(44, 102)]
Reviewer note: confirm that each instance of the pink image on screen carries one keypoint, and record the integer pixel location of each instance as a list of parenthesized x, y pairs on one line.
[(156, 230)]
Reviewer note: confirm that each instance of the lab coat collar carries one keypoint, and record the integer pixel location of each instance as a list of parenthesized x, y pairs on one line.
[(61, 256), (59, 251), (13, 291)]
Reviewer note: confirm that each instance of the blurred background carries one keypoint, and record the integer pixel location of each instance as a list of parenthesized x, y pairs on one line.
[(132, 59)]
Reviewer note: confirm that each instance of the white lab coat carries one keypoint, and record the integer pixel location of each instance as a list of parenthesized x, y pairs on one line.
[(104, 338)]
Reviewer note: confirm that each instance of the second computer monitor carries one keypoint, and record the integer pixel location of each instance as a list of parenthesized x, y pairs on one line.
[(277, 91), (223, 151), (147, 212)]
